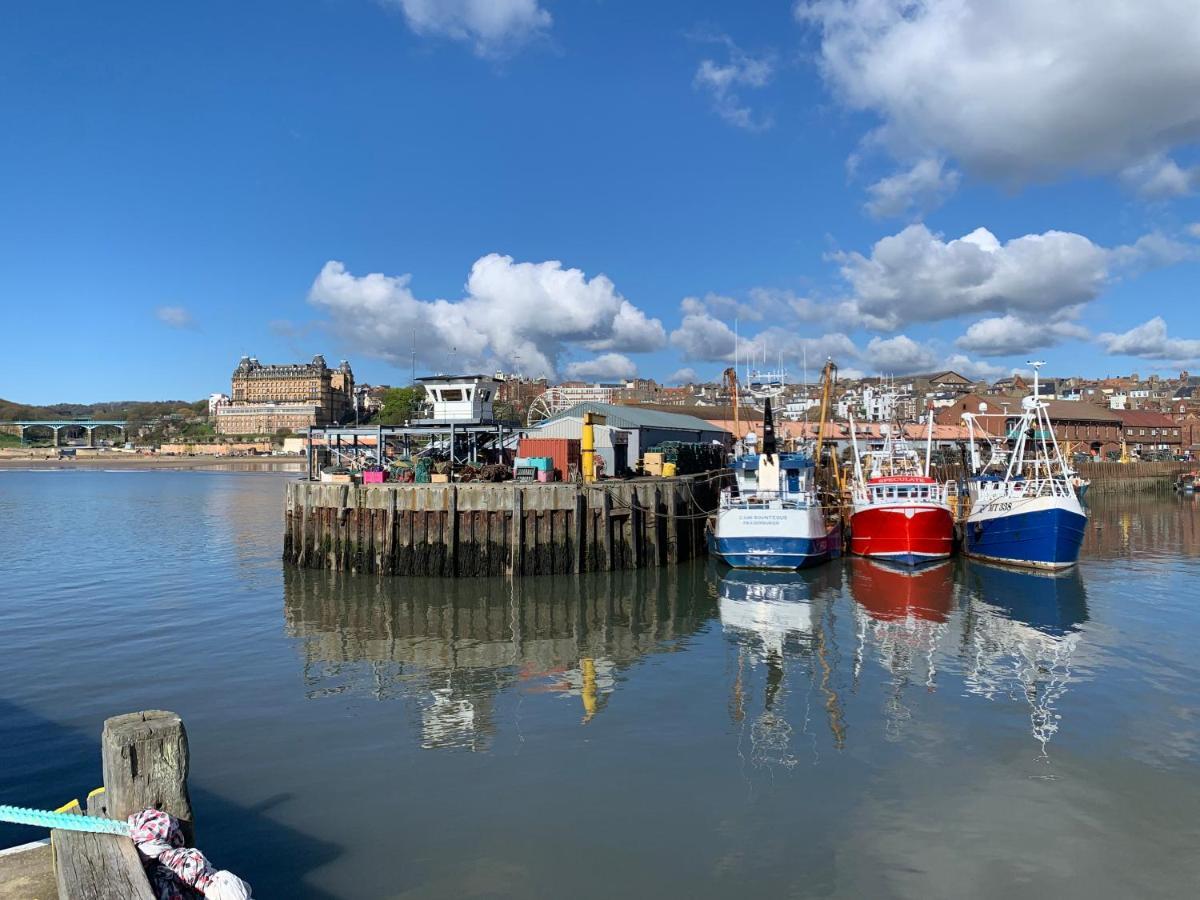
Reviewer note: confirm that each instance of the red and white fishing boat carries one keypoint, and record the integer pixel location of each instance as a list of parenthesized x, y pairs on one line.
[(899, 513)]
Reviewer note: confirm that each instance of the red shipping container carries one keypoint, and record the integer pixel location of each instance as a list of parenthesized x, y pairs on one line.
[(564, 451)]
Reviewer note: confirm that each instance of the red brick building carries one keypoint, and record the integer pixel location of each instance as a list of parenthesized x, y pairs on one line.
[(1084, 426), (1149, 432)]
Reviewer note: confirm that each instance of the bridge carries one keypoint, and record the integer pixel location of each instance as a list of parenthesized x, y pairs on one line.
[(57, 425)]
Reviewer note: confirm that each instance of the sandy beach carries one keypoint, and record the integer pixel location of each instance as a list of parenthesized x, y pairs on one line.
[(131, 462)]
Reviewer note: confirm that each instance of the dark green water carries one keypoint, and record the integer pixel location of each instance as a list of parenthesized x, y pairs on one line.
[(850, 732)]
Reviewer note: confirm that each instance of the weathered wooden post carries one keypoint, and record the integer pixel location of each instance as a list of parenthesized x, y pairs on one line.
[(517, 534), (579, 561), (145, 760), (451, 537)]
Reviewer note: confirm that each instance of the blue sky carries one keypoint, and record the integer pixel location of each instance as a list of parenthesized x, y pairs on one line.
[(592, 188)]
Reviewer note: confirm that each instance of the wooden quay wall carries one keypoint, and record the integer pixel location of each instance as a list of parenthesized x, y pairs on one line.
[(476, 529)]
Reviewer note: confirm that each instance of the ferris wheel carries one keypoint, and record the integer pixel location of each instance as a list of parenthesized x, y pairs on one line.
[(548, 404)]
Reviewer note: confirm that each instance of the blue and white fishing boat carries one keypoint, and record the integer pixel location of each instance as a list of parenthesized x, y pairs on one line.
[(1024, 510), (772, 516)]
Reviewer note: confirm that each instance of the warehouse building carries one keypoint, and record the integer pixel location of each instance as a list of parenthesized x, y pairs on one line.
[(629, 431)]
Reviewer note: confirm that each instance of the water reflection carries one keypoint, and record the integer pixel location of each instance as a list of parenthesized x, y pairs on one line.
[(452, 647), (995, 633), (1143, 526), (808, 647), (901, 617), (779, 620), (1020, 634)]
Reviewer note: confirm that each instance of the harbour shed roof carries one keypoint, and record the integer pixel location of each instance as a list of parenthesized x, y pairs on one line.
[(637, 417), (1145, 418), (1079, 411)]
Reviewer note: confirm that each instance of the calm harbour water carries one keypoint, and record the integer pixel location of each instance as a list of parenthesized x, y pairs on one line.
[(848, 732)]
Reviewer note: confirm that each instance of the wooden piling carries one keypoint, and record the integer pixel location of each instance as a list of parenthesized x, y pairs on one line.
[(517, 534), (607, 533), (144, 757), (579, 551)]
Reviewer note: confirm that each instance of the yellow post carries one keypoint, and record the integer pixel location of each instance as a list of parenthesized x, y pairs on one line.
[(587, 445), (589, 693)]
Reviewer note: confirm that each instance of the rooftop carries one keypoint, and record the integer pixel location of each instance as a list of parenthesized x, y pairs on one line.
[(1144, 418), (637, 417)]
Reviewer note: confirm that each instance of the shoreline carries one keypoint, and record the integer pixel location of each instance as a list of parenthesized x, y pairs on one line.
[(133, 463)]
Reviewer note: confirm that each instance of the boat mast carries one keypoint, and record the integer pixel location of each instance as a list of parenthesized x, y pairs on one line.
[(928, 437), (858, 473)]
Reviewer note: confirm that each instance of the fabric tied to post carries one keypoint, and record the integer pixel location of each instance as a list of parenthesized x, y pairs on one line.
[(177, 872)]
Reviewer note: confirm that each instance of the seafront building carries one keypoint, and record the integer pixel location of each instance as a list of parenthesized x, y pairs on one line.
[(293, 396)]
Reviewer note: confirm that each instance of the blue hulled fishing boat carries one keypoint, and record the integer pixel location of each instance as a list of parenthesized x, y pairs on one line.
[(1023, 507)]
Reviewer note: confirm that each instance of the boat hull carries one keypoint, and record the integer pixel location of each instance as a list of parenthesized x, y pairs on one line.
[(778, 539), (1046, 533), (905, 535)]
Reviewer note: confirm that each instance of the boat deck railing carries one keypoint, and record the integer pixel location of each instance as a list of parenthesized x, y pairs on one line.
[(768, 499)]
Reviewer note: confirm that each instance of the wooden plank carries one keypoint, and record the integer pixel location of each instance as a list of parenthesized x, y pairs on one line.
[(98, 867)]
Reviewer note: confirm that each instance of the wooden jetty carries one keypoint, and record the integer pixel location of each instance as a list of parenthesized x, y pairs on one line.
[(478, 528)]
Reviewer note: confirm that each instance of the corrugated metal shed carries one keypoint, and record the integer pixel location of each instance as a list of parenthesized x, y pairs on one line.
[(638, 417)]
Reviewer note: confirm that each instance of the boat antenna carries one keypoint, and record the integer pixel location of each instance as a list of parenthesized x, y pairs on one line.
[(1037, 365)]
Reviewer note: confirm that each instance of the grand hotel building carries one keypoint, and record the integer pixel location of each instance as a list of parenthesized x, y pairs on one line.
[(267, 398)]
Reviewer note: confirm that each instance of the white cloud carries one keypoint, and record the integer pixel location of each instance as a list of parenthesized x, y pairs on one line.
[(899, 355), (1009, 335), (1021, 90), (494, 28), (702, 337), (1150, 341), (606, 367), (686, 375), (724, 82), (1153, 250), (1160, 178), (918, 189), (531, 312), (175, 317), (917, 276), (977, 370)]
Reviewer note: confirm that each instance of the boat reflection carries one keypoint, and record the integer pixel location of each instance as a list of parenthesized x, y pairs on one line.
[(1021, 632), (450, 648), (776, 619), (889, 593), (903, 615)]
